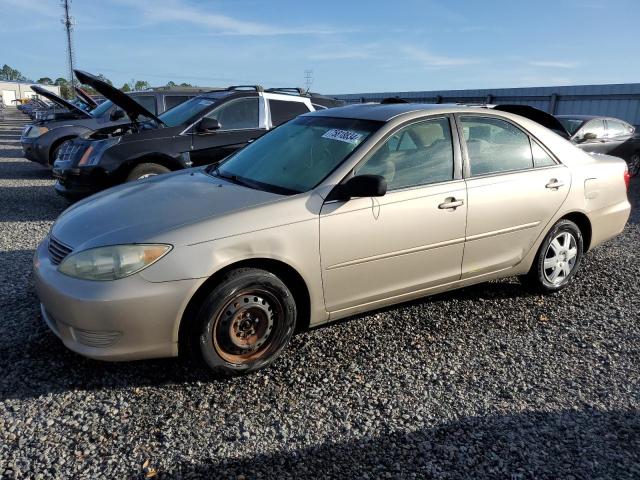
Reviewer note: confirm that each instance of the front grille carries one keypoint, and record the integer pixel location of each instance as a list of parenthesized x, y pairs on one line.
[(96, 339), (70, 151), (58, 251)]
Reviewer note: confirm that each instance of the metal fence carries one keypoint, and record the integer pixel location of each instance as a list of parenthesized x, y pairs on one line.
[(614, 100)]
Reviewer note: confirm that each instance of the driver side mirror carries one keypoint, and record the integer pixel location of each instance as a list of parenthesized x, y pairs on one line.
[(117, 114), (208, 125), (588, 136), (360, 186)]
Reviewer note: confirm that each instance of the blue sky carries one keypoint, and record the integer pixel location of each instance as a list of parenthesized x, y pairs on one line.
[(351, 46)]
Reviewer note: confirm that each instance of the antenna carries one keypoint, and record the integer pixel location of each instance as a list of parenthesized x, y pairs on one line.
[(308, 79), (68, 22)]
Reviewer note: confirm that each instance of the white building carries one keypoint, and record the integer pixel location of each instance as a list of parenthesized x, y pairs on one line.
[(10, 91)]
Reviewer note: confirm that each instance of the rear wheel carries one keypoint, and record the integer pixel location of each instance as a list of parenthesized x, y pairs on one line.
[(56, 151), (558, 258), (634, 164), (245, 323), (146, 170)]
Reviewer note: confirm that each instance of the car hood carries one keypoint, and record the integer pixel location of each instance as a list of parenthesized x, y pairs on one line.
[(84, 96), (142, 211), (539, 116), (59, 100), (132, 108)]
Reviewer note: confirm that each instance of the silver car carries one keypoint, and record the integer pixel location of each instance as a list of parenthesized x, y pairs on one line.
[(334, 213)]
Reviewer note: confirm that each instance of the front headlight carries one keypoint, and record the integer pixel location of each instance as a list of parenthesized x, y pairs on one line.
[(112, 263), (35, 132), (93, 154)]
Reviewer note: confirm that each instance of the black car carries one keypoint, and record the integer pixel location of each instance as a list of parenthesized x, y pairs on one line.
[(604, 135), (41, 140), (200, 131)]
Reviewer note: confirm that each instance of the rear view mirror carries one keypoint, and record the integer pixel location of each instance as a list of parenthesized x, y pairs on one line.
[(208, 125), (117, 114), (360, 186)]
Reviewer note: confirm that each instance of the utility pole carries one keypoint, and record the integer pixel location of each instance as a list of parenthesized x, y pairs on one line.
[(308, 79), (67, 21)]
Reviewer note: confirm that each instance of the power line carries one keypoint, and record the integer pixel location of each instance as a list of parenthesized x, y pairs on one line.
[(68, 22)]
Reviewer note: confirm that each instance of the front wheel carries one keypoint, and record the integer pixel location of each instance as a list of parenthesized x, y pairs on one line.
[(557, 260), (634, 164), (146, 170), (245, 323)]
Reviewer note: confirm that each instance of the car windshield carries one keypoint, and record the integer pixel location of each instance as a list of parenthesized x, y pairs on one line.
[(182, 113), (572, 125), (298, 155), (101, 109)]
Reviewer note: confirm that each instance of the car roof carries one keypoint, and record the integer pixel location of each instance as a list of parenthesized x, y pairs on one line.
[(385, 112)]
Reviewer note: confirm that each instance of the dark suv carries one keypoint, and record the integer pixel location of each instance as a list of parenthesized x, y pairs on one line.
[(41, 140), (200, 131)]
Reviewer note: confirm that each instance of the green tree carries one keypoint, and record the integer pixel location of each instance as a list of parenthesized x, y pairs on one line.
[(44, 81), (11, 74), (171, 84), (105, 79), (141, 85), (185, 84), (126, 88), (60, 81)]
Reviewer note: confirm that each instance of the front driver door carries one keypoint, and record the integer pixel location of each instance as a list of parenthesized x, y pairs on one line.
[(410, 239), (595, 145), (240, 121)]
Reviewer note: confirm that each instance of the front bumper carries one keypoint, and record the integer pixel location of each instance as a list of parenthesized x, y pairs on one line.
[(77, 182), (32, 150), (126, 319)]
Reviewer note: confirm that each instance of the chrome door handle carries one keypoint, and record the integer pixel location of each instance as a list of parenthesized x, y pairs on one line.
[(450, 202), (554, 184)]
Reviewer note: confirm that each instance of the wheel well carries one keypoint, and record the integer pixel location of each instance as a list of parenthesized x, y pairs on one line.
[(583, 223), (291, 278)]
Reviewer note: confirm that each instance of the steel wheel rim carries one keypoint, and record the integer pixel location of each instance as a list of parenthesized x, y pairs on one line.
[(560, 258), (248, 326)]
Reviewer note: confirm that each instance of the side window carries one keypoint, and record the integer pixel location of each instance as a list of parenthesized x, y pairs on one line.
[(282, 111), (318, 107), (238, 114), (174, 100), (494, 146), (594, 126), (618, 129), (418, 154), (148, 102), (540, 157)]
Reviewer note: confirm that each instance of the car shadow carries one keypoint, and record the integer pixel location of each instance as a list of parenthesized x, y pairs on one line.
[(11, 153), (10, 143), (23, 170), (586, 443), (4, 136)]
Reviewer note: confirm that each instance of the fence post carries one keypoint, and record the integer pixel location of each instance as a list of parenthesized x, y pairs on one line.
[(553, 103)]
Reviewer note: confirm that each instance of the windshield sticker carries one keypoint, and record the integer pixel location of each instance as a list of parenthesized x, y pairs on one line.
[(205, 102), (343, 136)]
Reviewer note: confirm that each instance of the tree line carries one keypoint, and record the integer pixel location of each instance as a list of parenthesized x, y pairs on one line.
[(12, 75)]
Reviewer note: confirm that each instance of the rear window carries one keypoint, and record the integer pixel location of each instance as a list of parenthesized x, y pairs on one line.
[(283, 111)]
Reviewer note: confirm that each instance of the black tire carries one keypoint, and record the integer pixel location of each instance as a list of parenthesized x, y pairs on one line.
[(146, 170), (250, 302), (545, 278), (54, 153), (634, 164)]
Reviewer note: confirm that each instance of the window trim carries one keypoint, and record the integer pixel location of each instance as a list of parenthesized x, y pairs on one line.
[(457, 158), (465, 152)]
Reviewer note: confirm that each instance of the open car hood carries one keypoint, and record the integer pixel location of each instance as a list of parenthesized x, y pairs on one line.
[(59, 101), (539, 116), (132, 108), (84, 96)]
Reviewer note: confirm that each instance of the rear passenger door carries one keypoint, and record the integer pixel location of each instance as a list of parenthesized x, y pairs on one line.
[(241, 120), (514, 187), (282, 110)]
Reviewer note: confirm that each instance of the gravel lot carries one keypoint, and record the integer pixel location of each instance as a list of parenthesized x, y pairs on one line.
[(487, 382)]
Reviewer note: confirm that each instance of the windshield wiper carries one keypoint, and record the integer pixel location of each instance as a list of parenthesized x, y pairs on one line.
[(235, 179)]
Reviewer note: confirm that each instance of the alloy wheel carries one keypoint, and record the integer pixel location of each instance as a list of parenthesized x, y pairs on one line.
[(560, 258)]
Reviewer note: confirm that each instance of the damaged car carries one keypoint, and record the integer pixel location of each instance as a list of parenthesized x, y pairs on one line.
[(41, 140), (202, 130)]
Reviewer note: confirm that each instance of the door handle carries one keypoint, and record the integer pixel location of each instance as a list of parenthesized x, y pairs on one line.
[(450, 202), (554, 184)]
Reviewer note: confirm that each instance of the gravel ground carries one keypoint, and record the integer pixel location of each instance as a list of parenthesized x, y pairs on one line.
[(487, 382)]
